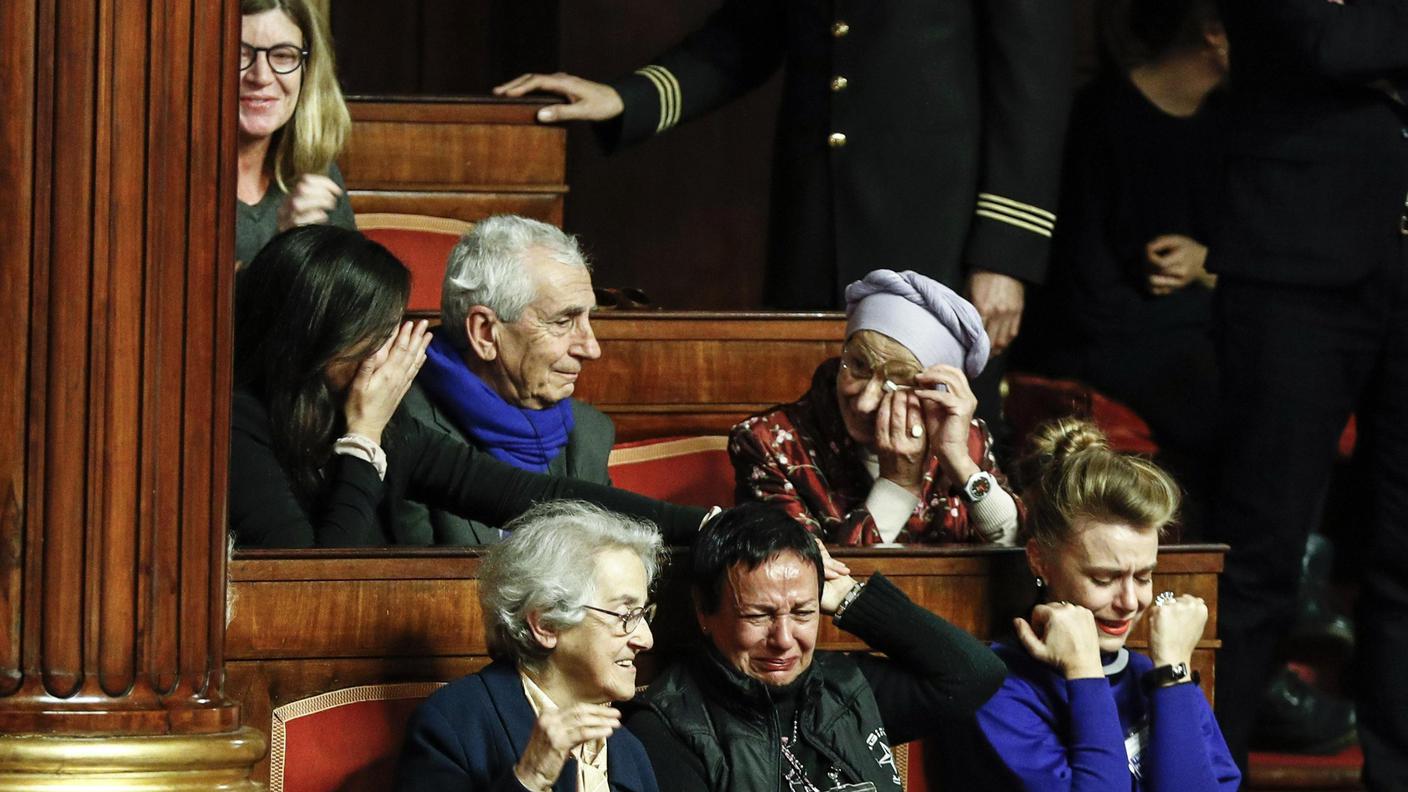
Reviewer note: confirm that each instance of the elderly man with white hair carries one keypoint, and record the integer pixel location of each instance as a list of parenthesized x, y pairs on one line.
[(514, 335)]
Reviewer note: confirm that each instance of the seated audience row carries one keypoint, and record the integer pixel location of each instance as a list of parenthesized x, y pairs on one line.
[(884, 447), (319, 454), (755, 707)]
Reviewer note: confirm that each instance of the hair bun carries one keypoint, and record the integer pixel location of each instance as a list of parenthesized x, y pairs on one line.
[(1064, 437)]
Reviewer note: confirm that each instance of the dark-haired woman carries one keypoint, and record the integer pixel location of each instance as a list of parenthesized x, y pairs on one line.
[(1128, 304), (1079, 711), (318, 455)]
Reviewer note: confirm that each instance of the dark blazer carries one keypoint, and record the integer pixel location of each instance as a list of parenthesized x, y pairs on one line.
[(1317, 169), (952, 113), (469, 734), (585, 458), (357, 508)]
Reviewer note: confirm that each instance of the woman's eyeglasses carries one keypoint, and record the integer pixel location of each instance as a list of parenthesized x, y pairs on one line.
[(282, 58), (630, 619)]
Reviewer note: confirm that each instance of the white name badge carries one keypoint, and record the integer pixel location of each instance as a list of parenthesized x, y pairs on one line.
[(1134, 749)]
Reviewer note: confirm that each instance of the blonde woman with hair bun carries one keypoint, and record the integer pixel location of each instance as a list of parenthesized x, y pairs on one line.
[(1079, 711), (292, 124)]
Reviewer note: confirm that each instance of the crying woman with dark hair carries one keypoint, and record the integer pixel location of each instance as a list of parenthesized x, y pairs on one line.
[(318, 454)]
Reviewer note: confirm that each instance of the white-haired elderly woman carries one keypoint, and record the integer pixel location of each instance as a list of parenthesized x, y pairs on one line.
[(514, 335), (566, 608), (884, 447)]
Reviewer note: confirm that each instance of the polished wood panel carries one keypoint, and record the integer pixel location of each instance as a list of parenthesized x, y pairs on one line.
[(463, 158), (467, 206), (18, 243), (118, 160), (307, 622), (695, 372)]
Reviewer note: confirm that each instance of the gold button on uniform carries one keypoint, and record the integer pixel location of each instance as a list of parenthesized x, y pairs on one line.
[(839, 83), (837, 140), (839, 29)]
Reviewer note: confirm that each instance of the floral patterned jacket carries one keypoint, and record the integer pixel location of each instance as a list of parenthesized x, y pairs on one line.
[(800, 457)]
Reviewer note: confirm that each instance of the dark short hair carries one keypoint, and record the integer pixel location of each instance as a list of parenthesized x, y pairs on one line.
[(750, 534)]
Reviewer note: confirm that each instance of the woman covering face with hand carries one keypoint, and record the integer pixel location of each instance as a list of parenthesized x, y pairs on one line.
[(566, 604), (1079, 711), (292, 123), (884, 446), (318, 453)]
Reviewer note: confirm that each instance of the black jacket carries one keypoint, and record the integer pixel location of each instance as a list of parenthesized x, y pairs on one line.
[(708, 728), (470, 733), (357, 507), (1317, 170), (952, 112)]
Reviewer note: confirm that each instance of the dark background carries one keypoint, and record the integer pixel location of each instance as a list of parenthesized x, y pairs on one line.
[(683, 216)]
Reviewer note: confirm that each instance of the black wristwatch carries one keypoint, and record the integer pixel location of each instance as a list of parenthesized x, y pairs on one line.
[(1176, 674)]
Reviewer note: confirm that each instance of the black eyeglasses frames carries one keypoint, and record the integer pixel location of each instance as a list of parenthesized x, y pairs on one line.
[(282, 58), (630, 619)]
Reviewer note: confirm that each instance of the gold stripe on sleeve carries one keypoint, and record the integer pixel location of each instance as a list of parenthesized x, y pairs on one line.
[(1025, 217), (670, 98), (1035, 229), (1024, 207), (659, 84)]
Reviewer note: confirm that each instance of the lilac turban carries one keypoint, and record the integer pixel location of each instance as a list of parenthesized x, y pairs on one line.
[(927, 317)]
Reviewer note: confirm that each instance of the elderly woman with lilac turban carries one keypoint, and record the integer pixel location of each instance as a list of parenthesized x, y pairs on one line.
[(883, 447)]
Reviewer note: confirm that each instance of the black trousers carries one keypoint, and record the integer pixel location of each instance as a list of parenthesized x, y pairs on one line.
[(1295, 362)]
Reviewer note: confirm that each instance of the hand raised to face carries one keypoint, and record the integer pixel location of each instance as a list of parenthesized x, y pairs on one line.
[(900, 444), (948, 404), (1175, 628), (1063, 636), (383, 379)]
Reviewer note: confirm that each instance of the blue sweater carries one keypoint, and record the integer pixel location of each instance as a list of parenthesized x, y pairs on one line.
[(1104, 734), (470, 734)]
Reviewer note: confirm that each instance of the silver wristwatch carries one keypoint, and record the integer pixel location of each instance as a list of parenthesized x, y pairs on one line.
[(978, 486)]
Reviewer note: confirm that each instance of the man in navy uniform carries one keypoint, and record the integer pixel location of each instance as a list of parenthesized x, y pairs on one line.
[(912, 135), (1313, 304)]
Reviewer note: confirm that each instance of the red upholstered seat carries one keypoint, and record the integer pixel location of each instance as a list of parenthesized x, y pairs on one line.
[(344, 741), (694, 471), (1033, 400), (422, 243)]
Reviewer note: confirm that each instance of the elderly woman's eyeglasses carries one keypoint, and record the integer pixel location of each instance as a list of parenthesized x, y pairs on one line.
[(283, 58), (630, 619)]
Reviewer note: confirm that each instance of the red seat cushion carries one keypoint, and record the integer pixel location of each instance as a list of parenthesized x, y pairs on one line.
[(344, 741), (423, 244), (1033, 400), (694, 471)]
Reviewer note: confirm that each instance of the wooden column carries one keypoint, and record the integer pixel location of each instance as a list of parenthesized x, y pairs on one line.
[(116, 241)]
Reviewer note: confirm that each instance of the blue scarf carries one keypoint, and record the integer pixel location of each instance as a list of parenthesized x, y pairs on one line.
[(524, 438)]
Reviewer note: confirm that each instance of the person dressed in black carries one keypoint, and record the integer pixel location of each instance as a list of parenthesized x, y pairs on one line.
[(1312, 301), (920, 132), (756, 708), (318, 455), (1128, 305)]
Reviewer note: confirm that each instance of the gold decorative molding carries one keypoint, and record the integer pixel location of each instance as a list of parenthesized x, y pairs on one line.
[(177, 763)]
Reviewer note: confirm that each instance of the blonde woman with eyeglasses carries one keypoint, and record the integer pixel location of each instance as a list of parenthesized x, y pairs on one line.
[(292, 124), (884, 447)]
